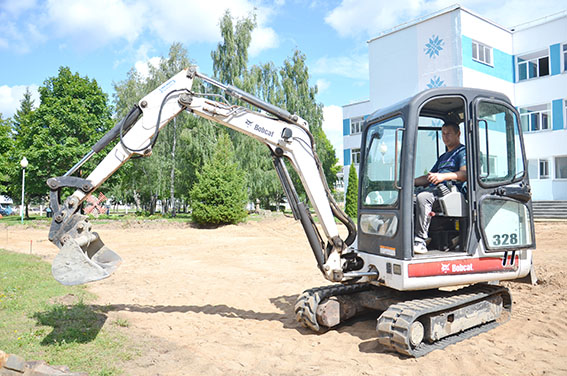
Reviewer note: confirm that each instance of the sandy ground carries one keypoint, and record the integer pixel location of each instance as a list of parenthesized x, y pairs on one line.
[(220, 301)]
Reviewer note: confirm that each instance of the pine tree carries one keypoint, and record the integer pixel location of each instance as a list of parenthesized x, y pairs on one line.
[(219, 196), (351, 205), (26, 107)]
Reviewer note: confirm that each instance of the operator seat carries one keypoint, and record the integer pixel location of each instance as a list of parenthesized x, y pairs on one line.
[(448, 224), (452, 202)]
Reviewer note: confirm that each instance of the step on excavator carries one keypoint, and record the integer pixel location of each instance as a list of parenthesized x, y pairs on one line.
[(479, 234)]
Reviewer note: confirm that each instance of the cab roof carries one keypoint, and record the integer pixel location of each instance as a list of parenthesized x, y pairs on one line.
[(469, 94)]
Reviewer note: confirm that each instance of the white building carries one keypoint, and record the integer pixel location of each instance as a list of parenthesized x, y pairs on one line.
[(456, 47)]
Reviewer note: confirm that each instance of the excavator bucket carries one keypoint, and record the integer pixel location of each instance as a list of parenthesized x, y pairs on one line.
[(84, 259)]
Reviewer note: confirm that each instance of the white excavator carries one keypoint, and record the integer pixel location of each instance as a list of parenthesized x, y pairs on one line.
[(479, 235)]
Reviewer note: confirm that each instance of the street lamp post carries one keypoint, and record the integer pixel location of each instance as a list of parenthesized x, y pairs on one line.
[(24, 164)]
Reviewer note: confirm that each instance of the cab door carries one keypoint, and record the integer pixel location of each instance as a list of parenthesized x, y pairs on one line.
[(503, 212)]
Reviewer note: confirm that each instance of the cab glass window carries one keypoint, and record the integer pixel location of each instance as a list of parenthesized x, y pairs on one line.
[(500, 157), (379, 172), (506, 224)]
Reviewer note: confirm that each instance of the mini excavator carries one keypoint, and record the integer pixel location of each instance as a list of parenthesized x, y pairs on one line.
[(478, 236)]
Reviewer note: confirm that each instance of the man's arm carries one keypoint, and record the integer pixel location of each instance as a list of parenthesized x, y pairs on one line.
[(436, 177), (421, 181)]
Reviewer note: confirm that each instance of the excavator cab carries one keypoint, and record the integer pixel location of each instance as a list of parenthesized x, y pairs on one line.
[(488, 215)]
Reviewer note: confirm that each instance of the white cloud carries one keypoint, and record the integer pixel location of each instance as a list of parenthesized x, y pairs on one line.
[(197, 21), (10, 98), (367, 18), (263, 38), (333, 128), (92, 24), (143, 67), (322, 85), (354, 18), (355, 67)]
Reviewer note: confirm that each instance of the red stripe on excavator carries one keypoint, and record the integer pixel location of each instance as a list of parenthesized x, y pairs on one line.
[(477, 265)]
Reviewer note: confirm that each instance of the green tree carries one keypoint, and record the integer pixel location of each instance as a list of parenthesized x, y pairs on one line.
[(230, 59), (71, 117), (287, 87), (230, 66), (299, 98), (351, 204), (163, 176), (6, 151), (21, 116), (219, 196)]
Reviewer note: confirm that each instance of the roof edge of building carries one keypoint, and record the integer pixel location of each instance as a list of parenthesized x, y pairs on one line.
[(438, 13), (539, 21), (355, 103)]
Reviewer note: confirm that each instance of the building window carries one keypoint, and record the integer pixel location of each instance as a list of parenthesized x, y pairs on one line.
[(356, 125), (481, 53), (536, 118), (561, 167), (355, 156), (533, 65), (543, 169), (565, 57)]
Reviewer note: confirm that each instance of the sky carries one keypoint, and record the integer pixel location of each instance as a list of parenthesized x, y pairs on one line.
[(104, 39)]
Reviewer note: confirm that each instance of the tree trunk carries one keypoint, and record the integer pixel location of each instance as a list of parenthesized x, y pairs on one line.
[(137, 201), (153, 202), (172, 180)]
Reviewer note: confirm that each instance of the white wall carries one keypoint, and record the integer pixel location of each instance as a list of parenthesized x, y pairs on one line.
[(484, 31), (445, 67), (476, 79), (393, 69), (545, 144), (537, 37), (541, 90), (357, 109)]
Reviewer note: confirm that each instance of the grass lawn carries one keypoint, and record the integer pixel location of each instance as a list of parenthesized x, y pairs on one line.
[(43, 320)]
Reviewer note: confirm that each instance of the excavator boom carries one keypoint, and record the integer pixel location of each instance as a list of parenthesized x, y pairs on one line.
[(84, 257)]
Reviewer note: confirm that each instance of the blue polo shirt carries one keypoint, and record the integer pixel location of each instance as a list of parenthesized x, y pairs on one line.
[(451, 161)]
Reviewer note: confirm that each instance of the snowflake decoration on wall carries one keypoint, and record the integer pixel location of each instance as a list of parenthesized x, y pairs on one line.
[(434, 46), (436, 81)]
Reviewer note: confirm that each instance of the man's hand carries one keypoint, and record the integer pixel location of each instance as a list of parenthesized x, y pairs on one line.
[(435, 178)]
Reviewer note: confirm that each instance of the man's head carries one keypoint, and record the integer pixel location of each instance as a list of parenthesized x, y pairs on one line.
[(451, 134)]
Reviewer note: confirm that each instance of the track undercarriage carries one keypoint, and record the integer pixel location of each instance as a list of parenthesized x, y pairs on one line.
[(411, 323)]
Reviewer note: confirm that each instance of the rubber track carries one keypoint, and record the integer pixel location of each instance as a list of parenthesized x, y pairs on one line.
[(307, 303), (393, 325)]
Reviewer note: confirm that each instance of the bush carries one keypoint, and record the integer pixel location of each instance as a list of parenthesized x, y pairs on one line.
[(351, 204), (219, 196)]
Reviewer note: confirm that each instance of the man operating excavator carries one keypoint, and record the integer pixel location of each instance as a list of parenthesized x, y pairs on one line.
[(451, 165)]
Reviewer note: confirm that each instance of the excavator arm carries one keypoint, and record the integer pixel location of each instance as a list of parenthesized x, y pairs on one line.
[(83, 257)]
